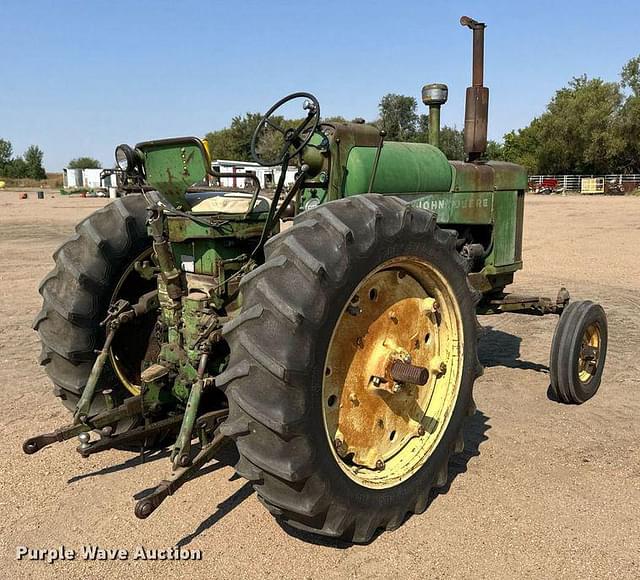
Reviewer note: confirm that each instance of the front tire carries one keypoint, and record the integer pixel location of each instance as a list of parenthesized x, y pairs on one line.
[(578, 352), (283, 342)]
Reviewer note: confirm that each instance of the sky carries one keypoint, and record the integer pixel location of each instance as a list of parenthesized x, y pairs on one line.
[(79, 77)]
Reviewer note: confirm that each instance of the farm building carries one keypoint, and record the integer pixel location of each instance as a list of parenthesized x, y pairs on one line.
[(89, 178), (268, 176)]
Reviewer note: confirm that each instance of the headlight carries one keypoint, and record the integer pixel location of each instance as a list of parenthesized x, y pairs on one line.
[(311, 203), (125, 158)]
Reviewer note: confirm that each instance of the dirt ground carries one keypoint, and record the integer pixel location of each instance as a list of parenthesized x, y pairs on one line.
[(541, 490)]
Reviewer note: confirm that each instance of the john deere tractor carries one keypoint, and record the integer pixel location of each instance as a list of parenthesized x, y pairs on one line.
[(327, 330)]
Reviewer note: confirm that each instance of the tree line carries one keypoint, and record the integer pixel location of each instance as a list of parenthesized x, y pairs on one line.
[(27, 165), (591, 126)]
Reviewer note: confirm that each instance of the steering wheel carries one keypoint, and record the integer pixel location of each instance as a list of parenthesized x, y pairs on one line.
[(295, 138)]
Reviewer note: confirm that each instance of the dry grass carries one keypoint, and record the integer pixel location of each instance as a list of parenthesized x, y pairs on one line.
[(53, 181)]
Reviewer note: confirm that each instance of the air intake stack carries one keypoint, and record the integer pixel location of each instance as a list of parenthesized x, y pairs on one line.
[(477, 105)]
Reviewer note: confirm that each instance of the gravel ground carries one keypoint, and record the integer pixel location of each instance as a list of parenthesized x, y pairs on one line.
[(541, 490)]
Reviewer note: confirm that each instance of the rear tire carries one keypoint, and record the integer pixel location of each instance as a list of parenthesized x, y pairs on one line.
[(279, 343), (78, 291)]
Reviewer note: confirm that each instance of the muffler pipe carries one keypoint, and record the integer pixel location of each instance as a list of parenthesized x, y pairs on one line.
[(477, 102)]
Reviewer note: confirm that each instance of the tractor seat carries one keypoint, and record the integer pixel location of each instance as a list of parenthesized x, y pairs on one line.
[(232, 202)]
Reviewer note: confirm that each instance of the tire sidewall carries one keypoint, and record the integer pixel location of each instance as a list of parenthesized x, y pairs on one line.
[(341, 485), (594, 314)]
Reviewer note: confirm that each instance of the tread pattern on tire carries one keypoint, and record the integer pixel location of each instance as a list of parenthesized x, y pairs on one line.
[(267, 380), (77, 292), (562, 365)]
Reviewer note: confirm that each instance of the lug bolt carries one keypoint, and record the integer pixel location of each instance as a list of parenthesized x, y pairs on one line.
[(354, 310), (429, 306), (393, 317), (359, 342), (341, 448), (438, 366), (380, 465), (421, 431)]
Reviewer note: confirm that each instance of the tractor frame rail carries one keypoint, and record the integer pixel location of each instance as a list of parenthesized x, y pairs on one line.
[(533, 305)]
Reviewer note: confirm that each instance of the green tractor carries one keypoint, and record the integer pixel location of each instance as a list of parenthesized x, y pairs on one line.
[(328, 330)]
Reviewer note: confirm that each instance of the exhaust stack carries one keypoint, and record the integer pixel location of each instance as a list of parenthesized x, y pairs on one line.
[(477, 104)]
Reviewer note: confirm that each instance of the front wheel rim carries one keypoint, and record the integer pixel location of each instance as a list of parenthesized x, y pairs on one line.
[(589, 357), (381, 431)]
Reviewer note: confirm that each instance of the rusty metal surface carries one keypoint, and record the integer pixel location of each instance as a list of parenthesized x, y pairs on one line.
[(472, 177), (403, 372), (477, 103), (370, 416), (508, 176), (476, 121)]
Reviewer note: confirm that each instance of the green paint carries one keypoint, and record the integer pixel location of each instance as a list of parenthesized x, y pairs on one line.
[(403, 168), (505, 229), (457, 208), (174, 165)]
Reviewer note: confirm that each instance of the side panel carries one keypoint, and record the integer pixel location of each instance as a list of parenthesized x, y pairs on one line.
[(500, 210), (505, 225), (457, 208)]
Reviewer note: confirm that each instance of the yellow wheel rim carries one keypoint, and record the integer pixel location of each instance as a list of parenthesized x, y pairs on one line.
[(133, 388), (114, 357), (381, 431), (589, 353)]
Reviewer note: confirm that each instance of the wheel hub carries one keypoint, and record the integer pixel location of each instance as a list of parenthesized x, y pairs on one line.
[(589, 353), (387, 383)]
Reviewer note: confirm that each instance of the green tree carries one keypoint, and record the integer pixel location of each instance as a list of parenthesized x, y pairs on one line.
[(522, 147), (452, 143), (576, 134), (422, 135), (6, 153), (242, 129), (626, 138), (334, 119), (631, 76), (17, 169), (33, 161), (495, 150), (398, 117), (451, 138), (84, 163), (234, 142), (221, 144)]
